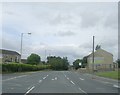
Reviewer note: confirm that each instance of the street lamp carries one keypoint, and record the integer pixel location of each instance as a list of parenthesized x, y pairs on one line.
[(21, 43)]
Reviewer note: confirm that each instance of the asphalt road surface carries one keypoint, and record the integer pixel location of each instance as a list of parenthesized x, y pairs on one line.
[(57, 82)]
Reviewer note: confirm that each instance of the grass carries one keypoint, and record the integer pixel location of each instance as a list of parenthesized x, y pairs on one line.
[(110, 74)]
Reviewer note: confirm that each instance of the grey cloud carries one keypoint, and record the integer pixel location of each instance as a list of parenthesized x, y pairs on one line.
[(111, 21), (89, 19), (65, 33), (65, 18)]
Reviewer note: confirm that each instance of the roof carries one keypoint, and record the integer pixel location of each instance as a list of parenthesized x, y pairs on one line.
[(3, 51), (98, 50)]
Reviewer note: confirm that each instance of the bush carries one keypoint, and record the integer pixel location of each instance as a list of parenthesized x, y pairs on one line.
[(15, 67), (33, 59)]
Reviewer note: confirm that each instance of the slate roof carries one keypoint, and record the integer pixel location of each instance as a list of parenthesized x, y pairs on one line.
[(3, 51), (96, 51)]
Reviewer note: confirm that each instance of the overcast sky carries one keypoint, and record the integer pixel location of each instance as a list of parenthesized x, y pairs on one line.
[(60, 29)]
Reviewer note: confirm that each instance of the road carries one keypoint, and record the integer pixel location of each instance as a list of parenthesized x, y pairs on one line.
[(56, 82)]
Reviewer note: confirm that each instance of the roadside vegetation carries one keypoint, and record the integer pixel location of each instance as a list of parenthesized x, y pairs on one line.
[(34, 63), (80, 63), (15, 67), (110, 74)]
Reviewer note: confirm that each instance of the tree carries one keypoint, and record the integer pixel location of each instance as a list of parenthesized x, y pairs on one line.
[(98, 47), (58, 63), (33, 59), (76, 63)]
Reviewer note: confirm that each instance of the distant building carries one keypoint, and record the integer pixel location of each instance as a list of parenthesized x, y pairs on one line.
[(103, 60), (24, 61), (9, 56)]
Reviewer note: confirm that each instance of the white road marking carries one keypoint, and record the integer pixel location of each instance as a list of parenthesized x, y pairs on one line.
[(55, 78), (52, 79), (81, 79), (72, 82), (14, 77), (30, 90), (65, 75), (82, 90), (47, 75), (67, 78), (116, 86), (44, 77), (40, 81)]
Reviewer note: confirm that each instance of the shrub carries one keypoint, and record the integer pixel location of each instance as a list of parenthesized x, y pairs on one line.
[(15, 67)]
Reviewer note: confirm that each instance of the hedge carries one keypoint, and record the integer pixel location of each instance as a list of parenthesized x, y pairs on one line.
[(16, 67)]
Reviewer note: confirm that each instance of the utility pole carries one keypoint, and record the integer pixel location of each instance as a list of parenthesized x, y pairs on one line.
[(93, 55)]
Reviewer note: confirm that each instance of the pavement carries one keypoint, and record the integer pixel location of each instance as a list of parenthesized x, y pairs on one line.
[(57, 82)]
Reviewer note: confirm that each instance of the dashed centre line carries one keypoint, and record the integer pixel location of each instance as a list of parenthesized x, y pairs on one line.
[(67, 78), (44, 77), (40, 81), (72, 82)]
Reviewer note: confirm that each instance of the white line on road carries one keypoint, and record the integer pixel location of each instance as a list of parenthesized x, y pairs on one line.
[(116, 86), (82, 90), (81, 79), (55, 78), (72, 82), (29, 90), (14, 77), (52, 79), (44, 77), (67, 78), (40, 81)]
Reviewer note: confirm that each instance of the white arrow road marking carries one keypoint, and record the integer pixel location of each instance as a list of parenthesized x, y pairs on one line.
[(81, 79), (55, 78), (30, 90)]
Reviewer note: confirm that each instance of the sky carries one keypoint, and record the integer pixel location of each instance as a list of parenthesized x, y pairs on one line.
[(60, 28)]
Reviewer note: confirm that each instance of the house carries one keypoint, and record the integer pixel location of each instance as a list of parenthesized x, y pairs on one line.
[(9, 56), (103, 60)]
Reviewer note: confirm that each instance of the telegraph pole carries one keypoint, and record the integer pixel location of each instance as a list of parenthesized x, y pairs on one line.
[(93, 55)]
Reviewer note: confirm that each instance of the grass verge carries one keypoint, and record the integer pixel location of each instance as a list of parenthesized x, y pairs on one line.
[(110, 74)]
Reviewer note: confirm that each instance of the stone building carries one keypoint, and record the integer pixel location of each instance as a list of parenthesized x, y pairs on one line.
[(8, 56), (103, 60)]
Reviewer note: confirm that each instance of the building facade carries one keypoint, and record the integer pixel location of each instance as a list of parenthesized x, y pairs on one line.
[(8, 56), (103, 60)]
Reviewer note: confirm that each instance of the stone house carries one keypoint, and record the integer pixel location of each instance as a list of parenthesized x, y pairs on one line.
[(103, 60), (8, 56)]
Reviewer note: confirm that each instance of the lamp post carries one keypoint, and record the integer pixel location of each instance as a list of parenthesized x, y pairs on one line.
[(22, 43)]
